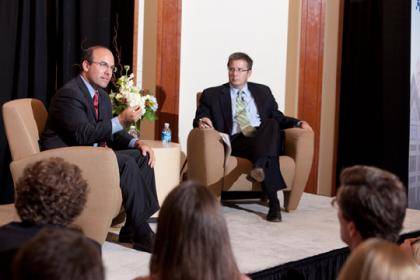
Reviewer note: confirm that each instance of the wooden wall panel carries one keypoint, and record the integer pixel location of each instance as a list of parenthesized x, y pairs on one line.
[(168, 61), (337, 105), (310, 74)]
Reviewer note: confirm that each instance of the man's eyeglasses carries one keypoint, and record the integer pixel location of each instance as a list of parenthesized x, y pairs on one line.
[(240, 70), (105, 66)]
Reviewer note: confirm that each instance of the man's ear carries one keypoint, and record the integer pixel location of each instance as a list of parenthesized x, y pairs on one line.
[(85, 65), (249, 73), (352, 230)]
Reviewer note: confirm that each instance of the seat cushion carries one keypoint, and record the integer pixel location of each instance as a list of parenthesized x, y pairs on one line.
[(8, 214), (238, 168)]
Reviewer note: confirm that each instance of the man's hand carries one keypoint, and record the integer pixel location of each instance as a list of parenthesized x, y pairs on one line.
[(306, 125), (129, 115), (205, 123), (145, 149)]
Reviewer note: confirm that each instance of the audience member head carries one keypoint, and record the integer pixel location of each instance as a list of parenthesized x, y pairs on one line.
[(97, 66), (239, 69), (192, 240), (51, 191), (59, 253), (378, 259), (371, 203)]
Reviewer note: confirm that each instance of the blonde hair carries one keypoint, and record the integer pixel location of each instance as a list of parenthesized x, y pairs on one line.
[(379, 259)]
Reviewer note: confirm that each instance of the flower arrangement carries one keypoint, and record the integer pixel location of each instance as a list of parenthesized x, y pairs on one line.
[(129, 95)]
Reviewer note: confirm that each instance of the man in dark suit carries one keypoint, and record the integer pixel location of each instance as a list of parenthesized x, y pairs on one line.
[(80, 114), (248, 113)]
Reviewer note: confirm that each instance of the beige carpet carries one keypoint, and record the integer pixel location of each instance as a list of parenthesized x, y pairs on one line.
[(257, 244)]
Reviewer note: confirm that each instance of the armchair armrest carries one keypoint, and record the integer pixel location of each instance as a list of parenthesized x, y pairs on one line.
[(299, 145), (100, 169), (206, 156)]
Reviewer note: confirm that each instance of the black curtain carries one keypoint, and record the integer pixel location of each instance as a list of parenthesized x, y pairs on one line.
[(375, 85), (41, 46)]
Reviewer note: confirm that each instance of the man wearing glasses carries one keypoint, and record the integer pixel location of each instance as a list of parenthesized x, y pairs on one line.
[(248, 113), (80, 114)]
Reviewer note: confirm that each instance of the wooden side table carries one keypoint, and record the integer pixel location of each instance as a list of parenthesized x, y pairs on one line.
[(167, 167)]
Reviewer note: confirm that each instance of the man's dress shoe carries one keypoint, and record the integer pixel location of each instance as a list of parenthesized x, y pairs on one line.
[(274, 213), (126, 235), (144, 243)]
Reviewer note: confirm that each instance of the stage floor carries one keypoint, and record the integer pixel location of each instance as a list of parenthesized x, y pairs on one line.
[(311, 230)]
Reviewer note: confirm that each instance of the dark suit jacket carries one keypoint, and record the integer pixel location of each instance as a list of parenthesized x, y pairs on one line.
[(72, 122), (215, 103)]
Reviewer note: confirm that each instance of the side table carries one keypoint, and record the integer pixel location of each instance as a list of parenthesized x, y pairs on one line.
[(167, 167)]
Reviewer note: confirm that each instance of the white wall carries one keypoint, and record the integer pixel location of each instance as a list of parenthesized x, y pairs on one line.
[(212, 30)]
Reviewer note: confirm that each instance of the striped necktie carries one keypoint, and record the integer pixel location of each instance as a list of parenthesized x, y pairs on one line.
[(242, 117)]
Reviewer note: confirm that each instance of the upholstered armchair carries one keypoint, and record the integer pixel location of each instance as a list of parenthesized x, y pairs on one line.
[(24, 120), (210, 164)]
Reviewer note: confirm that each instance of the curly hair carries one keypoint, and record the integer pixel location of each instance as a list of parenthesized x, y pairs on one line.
[(51, 191), (59, 253), (374, 200)]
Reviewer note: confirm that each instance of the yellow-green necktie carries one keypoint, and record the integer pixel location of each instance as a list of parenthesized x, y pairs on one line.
[(242, 117)]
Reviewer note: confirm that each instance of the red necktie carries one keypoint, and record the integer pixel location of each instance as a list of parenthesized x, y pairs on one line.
[(96, 103), (96, 106)]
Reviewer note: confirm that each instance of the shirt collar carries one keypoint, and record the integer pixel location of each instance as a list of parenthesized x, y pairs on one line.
[(89, 86), (234, 91)]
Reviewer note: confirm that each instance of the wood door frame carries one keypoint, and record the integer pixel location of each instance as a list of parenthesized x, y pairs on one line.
[(168, 64), (311, 74)]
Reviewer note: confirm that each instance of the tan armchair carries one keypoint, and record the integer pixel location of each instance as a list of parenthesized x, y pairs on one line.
[(24, 120), (208, 164)]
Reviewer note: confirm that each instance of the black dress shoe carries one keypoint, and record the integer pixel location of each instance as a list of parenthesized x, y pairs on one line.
[(126, 235), (144, 243), (274, 213), (256, 175)]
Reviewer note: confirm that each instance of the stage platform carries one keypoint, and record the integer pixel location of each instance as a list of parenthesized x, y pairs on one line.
[(307, 237)]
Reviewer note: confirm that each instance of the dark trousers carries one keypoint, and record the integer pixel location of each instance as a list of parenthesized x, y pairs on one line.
[(263, 150), (137, 181)]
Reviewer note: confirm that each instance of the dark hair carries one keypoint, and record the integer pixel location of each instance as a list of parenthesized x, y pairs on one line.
[(51, 191), (240, 56), (59, 253), (87, 54), (374, 200), (192, 240)]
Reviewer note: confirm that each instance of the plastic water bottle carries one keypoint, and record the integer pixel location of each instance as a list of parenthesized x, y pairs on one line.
[(133, 132), (166, 133)]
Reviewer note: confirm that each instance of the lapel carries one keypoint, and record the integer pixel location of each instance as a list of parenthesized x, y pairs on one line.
[(226, 105), (259, 99), (87, 98), (103, 105)]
